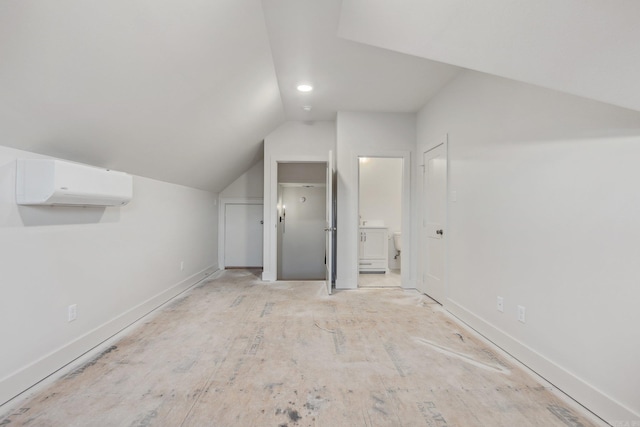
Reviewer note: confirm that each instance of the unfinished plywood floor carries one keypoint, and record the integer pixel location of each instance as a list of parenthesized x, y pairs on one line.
[(235, 351), (391, 279)]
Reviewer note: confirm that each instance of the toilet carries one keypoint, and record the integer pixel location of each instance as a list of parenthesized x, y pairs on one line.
[(397, 241)]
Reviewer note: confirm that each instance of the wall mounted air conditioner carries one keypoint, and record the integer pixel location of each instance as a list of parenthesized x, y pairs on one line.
[(56, 182)]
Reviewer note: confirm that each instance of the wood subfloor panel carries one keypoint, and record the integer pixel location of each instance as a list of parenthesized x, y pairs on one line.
[(235, 351)]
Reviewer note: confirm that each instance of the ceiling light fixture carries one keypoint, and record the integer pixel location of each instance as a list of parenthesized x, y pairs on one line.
[(305, 88), (307, 108)]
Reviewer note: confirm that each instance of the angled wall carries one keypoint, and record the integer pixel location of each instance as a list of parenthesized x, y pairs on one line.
[(546, 216), (246, 189), (249, 185), (115, 264)]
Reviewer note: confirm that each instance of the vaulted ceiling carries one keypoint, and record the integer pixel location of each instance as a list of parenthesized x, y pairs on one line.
[(181, 91), (589, 48), (185, 91)]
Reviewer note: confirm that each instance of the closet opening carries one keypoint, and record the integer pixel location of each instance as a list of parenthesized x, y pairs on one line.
[(301, 205)]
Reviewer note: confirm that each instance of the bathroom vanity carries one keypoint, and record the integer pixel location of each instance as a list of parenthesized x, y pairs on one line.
[(373, 250)]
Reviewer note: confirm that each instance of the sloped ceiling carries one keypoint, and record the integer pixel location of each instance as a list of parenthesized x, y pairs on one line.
[(181, 91), (346, 76), (185, 91), (589, 48)]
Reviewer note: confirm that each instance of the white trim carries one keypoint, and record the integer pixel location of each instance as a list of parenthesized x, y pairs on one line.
[(585, 394), (19, 382), (421, 250), (405, 261), (222, 208)]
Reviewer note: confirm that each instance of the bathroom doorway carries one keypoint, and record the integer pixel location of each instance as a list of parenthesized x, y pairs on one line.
[(380, 200), (301, 205)]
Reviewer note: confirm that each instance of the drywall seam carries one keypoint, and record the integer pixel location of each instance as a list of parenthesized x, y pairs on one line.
[(585, 394), (20, 381)]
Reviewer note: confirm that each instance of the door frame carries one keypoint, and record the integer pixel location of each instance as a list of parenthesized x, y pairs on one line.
[(282, 237), (330, 222), (222, 208), (420, 282), (405, 262), (270, 239)]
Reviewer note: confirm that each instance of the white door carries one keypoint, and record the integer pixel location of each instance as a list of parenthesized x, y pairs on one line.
[(330, 229), (435, 204), (243, 235)]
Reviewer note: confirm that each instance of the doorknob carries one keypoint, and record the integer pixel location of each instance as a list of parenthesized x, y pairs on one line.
[(330, 229), (261, 221), (439, 232)]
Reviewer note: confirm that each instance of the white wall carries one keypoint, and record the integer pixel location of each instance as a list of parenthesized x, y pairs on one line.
[(249, 185), (381, 197), (116, 264), (302, 173), (547, 217), (291, 142), (248, 188), (371, 135)]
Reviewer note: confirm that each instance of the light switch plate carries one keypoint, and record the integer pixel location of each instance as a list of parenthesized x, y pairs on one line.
[(521, 312)]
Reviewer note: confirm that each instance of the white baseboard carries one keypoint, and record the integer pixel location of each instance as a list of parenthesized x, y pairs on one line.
[(268, 276), (585, 394), (410, 284), (22, 380)]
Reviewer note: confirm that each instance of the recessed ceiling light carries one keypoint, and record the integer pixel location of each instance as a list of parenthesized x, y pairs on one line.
[(305, 88), (307, 108)]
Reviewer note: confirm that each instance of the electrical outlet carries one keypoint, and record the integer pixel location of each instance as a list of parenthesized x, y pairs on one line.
[(500, 304), (72, 312), (181, 265), (521, 313)]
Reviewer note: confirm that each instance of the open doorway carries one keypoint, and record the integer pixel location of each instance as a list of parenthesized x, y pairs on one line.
[(380, 199), (301, 207)]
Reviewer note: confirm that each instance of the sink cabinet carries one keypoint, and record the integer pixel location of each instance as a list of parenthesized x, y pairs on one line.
[(373, 250)]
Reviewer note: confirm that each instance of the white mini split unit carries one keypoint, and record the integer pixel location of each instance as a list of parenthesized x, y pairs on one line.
[(55, 182)]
